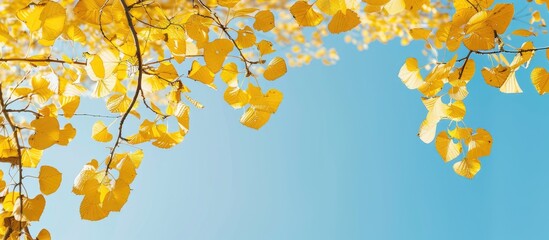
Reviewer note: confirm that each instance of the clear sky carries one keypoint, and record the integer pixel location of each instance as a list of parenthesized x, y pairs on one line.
[(339, 160)]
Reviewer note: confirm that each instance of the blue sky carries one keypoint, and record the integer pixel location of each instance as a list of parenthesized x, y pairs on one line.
[(339, 160)]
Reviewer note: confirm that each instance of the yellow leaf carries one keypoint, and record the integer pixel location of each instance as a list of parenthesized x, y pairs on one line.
[(69, 105), (427, 131), (87, 173), (216, 52), (458, 93), (330, 7), (66, 134), (523, 33), (495, 77), (446, 147), (100, 132), (264, 21), (343, 21), (254, 118), (275, 69), (167, 71), (461, 133), (523, 57), (32, 208), (49, 179), (468, 167), (376, 2), (480, 144), (420, 33), (91, 209), (265, 47), (30, 157), (44, 234), (456, 111), (229, 74), (246, 38), (118, 103), (410, 74), (267, 103), (305, 15), (115, 199), (46, 133), (511, 84), (201, 73), (90, 11), (227, 3), (9, 201), (53, 22), (236, 97), (30, 15), (501, 16), (540, 79), (127, 170), (75, 34)]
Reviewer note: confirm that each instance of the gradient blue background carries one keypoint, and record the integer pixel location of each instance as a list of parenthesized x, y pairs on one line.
[(339, 160)]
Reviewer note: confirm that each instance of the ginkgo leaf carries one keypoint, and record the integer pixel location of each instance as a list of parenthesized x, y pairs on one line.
[(480, 144), (32, 208), (216, 52), (410, 74), (49, 179), (330, 7), (9, 201), (53, 22), (458, 93), (246, 38), (115, 199), (275, 69), (87, 173), (255, 119), (495, 77), (264, 21), (511, 84), (127, 170), (100, 132), (540, 79), (420, 33), (456, 111), (524, 56), (343, 21), (427, 131), (91, 10), (468, 167), (446, 147), (91, 209), (229, 74), (236, 97), (501, 16), (265, 47), (305, 15), (44, 234), (46, 133), (227, 3), (460, 133), (523, 33), (74, 33), (69, 105), (30, 157), (201, 73), (167, 71)]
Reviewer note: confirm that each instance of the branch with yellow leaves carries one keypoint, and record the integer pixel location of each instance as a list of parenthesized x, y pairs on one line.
[(138, 90), (215, 18), (15, 131)]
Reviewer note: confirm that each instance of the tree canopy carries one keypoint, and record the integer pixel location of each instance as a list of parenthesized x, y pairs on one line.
[(140, 58)]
